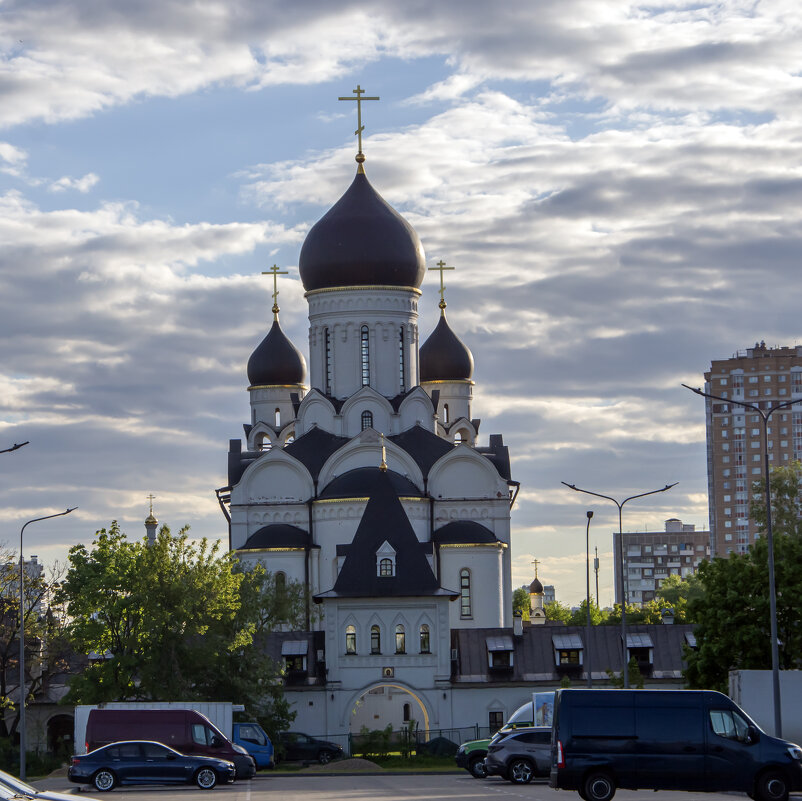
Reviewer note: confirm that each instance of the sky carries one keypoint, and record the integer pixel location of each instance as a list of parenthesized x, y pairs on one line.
[(617, 184)]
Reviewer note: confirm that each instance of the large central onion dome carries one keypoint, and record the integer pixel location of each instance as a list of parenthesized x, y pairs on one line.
[(276, 361), (361, 241), (444, 357)]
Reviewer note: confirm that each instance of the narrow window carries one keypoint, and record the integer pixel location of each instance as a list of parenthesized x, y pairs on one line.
[(327, 345), (400, 640), (386, 567), (465, 592), (278, 418), (367, 420), (424, 639), (365, 355), (281, 583), (407, 713), (401, 363), (445, 413), (375, 640), (350, 640)]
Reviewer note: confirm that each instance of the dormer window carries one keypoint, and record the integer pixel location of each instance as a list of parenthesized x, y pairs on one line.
[(568, 651), (499, 652), (385, 560)]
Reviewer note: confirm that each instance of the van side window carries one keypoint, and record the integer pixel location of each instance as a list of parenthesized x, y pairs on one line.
[(729, 724), (199, 732)]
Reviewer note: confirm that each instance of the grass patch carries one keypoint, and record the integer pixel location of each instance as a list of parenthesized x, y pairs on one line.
[(424, 762)]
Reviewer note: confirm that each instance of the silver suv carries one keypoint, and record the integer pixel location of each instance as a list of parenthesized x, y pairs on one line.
[(521, 755)]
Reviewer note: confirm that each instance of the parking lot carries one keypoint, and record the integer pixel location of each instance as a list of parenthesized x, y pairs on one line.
[(390, 787)]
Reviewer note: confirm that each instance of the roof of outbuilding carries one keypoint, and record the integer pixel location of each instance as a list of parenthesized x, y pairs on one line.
[(314, 447)]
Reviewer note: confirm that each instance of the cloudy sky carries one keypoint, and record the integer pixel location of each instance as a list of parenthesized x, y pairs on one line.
[(617, 184)]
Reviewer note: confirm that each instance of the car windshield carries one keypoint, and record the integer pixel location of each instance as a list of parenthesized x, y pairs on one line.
[(521, 716)]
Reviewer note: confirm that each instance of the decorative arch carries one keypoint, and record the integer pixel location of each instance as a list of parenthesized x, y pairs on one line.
[(366, 399), (274, 475), (259, 434), (393, 685), (315, 410), (464, 473)]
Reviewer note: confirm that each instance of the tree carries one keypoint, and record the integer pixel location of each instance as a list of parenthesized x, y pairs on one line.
[(732, 616), (172, 620), (579, 617), (558, 612), (521, 602)]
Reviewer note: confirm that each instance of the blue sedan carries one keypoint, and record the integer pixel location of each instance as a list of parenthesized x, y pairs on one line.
[(145, 762)]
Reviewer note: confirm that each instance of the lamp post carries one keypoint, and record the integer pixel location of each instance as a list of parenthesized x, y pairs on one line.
[(587, 596), (621, 584), (22, 641), (775, 650)]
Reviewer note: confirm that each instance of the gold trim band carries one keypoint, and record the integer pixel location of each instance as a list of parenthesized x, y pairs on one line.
[(363, 288)]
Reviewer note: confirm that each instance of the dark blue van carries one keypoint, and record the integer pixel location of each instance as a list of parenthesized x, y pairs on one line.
[(696, 740)]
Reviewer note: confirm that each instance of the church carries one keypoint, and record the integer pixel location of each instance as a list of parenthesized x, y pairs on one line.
[(365, 479)]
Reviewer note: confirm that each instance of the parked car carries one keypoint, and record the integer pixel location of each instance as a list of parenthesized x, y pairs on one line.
[(185, 730), (521, 755), (254, 739), (692, 740), (12, 786), (298, 746), (471, 756), (145, 762)]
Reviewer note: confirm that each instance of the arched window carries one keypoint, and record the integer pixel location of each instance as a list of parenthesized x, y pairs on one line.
[(445, 413), (281, 582), (424, 639), (401, 361), (375, 640), (364, 350), (385, 567), (400, 640), (263, 443), (278, 418), (465, 592), (367, 420), (327, 348), (459, 437), (350, 640), (407, 713)]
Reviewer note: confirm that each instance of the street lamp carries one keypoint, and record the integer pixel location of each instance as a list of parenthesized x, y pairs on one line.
[(587, 596), (621, 584), (775, 651), (22, 642)]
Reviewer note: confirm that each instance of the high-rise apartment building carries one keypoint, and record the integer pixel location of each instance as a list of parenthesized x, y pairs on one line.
[(652, 556), (765, 377)]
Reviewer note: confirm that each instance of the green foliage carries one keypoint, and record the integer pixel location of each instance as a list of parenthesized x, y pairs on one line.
[(634, 615), (375, 743), (579, 617), (786, 500), (565, 683), (521, 601), (558, 612), (635, 676), (175, 620)]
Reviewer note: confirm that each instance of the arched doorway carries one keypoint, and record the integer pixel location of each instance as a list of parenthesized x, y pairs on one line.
[(60, 730), (388, 703)]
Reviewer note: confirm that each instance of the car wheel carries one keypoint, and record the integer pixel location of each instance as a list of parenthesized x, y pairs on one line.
[(598, 787), (520, 771), (324, 757), (476, 767), (771, 786), (104, 780), (206, 778)]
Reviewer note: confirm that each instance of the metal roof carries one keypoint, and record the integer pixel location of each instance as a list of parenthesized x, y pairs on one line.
[(639, 640), (566, 641), (499, 643), (294, 648)]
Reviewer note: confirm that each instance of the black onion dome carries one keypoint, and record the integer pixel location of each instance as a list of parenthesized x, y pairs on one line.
[(536, 587), (361, 240), (444, 357), (276, 360)]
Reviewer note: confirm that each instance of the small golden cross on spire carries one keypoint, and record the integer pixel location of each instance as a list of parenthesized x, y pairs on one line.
[(359, 91), (535, 562), (441, 266), (383, 465), (275, 272), (151, 498)]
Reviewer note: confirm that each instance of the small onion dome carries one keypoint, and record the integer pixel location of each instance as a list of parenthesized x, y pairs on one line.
[(536, 588), (150, 520), (361, 241), (276, 360), (444, 357)]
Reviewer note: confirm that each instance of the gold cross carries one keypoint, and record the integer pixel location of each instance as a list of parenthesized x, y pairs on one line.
[(359, 91), (441, 266), (535, 562), (275, 272), (151, 497)]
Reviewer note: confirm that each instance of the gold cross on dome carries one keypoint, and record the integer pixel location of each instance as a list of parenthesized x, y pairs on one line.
[(441, 266), (275, 272), (359, 91), (151, 498), (535, 562)]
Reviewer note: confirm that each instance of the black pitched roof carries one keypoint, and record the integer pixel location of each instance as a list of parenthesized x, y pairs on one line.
[(422, 445), (384, 519), (314, 447), (364, 481), (463, 532), (278, 535)]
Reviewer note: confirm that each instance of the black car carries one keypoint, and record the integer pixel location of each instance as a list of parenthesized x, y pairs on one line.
[(297, 746), (146, 762), (520, 755)]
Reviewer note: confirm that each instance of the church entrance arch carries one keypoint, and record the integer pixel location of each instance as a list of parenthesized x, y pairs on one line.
[(387, 702)]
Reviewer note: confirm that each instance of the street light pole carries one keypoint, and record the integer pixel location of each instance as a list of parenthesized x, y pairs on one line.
[(22, 641), (587, 597), (621, 584), (775, 650)]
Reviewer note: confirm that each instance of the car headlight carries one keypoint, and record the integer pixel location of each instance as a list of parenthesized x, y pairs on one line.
[(239, 749), (461, 749), (795, 752)]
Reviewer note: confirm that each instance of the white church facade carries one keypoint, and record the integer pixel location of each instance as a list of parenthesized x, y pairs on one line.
[(365, 479)]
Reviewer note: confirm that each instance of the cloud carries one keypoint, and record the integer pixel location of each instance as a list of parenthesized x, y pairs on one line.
[(82, 185)]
